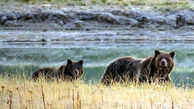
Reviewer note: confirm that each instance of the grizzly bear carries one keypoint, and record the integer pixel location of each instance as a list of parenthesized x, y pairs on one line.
[(156, 68), (71, 71)]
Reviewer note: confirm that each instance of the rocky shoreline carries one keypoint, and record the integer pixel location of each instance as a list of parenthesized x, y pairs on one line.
[(50, 24), (85, 19)]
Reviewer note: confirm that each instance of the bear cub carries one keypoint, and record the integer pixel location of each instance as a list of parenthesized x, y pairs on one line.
[(156, 68), (69, 72)]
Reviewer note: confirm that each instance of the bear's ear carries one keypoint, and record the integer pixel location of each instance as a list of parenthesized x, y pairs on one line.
[(81, 62), (172, 54), (157, 52), (69, 61)]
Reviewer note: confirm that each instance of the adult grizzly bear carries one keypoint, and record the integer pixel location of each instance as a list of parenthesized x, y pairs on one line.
[(154, 68), (71, 71)]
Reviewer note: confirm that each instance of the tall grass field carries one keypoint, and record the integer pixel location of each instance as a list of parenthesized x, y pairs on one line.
[(21, 93)]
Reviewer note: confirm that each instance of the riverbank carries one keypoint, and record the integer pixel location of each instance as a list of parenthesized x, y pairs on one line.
[(21, 93), (49, 23), (51, 17)]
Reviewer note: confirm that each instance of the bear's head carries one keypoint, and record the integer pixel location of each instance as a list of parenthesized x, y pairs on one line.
[(162, 64), (74, 69)]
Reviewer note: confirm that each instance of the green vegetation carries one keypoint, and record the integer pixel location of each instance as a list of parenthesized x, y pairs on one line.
[(164, 5), (96, 59)]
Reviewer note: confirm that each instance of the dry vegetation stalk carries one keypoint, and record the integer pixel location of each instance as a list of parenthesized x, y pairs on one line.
[(172, 105), (2, 93), (43, 97), (10, 99), (78, 100), (20, 97)]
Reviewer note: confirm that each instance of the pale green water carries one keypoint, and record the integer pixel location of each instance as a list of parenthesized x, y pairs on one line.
[(28, 57)]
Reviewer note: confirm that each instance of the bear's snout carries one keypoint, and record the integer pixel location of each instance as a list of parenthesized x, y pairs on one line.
[(76, 72), (163, 62)]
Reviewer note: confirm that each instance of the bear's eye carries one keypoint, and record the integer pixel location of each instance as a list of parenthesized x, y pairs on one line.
[(167, 59), (77, 66), (160, 59)]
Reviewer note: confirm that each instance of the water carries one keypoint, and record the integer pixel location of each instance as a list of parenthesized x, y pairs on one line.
[(27, 57), (22, 52)]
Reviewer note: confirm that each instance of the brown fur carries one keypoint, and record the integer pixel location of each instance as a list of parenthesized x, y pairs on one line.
[(71, 71), (153, 68)]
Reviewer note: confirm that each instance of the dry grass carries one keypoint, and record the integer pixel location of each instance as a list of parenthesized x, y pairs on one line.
[(21, 93), (177, 3)]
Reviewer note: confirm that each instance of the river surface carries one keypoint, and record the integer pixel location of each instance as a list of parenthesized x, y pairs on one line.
[(23, 52)]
